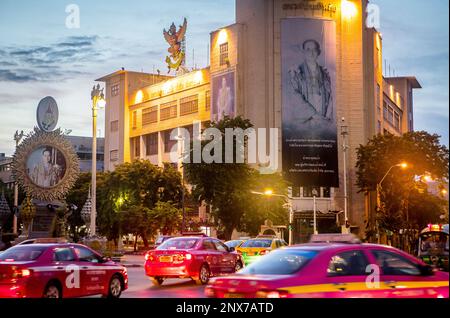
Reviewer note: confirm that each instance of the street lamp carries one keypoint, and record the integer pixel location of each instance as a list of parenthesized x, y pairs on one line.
[(344, 133), (17, 137), (269, 193), (98, 101), (402, 165)]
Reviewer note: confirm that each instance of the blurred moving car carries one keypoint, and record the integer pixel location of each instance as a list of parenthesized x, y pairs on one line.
[(56, 270), (234, 243), (333, 270), (192, 257), (254, 248)]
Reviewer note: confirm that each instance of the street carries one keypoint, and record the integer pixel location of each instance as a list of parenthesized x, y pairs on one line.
[(140, 286)]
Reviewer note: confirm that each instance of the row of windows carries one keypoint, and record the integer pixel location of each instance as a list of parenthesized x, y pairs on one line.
[(188, 105), (309, 192), (391, 116)]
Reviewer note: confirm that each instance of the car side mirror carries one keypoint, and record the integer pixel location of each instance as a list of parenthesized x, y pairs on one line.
[(231, 249), (426, 270)]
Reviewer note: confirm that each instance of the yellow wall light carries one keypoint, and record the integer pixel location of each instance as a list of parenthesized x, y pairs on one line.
[(348, 9), (139, 97), (223, 37)]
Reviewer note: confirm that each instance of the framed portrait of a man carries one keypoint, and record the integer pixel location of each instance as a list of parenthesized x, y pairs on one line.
[(46, 166)]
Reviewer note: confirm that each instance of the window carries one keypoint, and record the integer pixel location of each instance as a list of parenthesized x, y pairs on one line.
[(326, 192), (395, 264), (385, 110), (114, 155), (115, 126), (295, 192), (224, 54), (378, 99), (397, 121), (151, 144), (280, 262), (209, 245), (135, 148), (391, 115), (189, 105), (134, 119), (115, 90), (63, 255), (351, 263), (85, 255), (168, 143), (220, 247), (23, 253), (208, 100), (149, 115), (309, 192), (379, 127), (168, 111)]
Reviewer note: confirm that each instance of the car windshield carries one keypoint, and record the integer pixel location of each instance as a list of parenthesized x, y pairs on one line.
[(280, 262), (257, 243), (233, 243), (22, 253), (434, 241), (178, 244)]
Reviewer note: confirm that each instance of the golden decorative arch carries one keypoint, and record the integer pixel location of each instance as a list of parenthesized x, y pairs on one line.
[(35, 140)]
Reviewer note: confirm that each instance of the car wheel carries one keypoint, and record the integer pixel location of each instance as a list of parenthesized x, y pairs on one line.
[(237, 267), (115, 287), (157, 281), (52, 290), (203, 275)]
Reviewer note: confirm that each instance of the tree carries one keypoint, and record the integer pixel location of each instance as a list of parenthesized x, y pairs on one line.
[(165, 216), (226, 186), (130, 192), (424, 155)]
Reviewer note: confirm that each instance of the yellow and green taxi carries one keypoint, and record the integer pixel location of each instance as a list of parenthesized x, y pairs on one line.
[(254, 248)]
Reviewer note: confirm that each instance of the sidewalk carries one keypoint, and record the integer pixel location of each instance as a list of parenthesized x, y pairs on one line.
[(133, 260)]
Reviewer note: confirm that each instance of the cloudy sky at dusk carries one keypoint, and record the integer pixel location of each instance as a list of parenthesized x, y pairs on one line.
[(40, 56)]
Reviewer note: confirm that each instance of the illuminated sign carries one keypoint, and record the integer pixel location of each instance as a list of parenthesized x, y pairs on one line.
[(310, 5)]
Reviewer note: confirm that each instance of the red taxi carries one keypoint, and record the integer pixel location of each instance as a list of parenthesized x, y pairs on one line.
[(333, 270), (197, 258), (59, 270)]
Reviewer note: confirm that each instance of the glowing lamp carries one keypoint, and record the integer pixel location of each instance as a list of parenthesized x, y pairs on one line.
[(139, 97), (268, 192), (223, 37), (348, 9)]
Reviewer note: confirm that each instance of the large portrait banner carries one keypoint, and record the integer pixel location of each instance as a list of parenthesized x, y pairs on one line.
[(223, 96), (309, 131)]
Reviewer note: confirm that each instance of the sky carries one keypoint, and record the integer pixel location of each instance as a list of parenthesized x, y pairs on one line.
[(40, 56)]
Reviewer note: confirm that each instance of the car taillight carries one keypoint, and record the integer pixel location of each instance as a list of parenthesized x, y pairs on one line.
[(209, 292), (188, 256), (21, 273), (264, 252), (271, 294), (149, 257)]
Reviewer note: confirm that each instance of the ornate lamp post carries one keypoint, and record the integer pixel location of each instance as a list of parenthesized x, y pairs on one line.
[(98, 101)]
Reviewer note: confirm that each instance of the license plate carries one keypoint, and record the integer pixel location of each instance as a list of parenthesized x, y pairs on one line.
[(165, 259), (233, 295)]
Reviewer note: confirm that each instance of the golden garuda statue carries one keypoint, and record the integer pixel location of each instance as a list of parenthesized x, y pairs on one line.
[(175, 59)]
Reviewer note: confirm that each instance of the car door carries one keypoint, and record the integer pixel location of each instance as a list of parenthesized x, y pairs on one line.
[(67, 270), (402, 277), (346, 275), (212, 255), (227, 259), (93, 274)]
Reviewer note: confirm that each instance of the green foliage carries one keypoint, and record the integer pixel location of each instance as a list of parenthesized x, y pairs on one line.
[(405, 202), (227, 186)]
